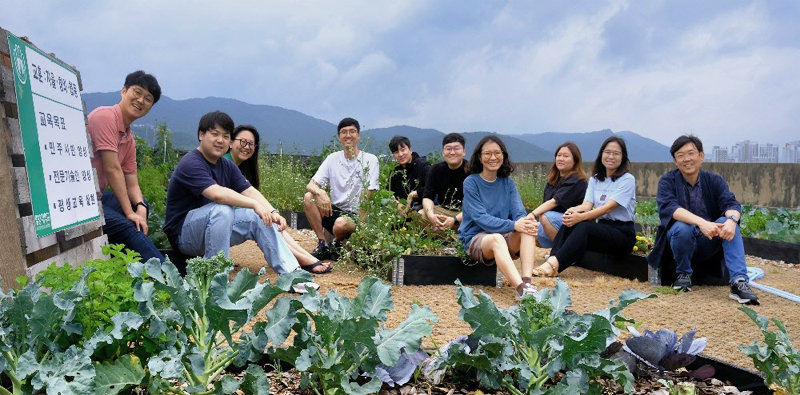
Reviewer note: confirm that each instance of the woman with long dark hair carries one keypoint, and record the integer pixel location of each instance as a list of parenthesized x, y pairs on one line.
[(495, 225), (604, 221), (244, 153), (565, 188)]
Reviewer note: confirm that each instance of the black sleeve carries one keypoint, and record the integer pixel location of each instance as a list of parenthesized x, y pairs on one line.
[(424, 170), (430, 184)]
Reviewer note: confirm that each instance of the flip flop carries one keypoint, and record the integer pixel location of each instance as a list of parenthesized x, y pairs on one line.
[(310, 268)]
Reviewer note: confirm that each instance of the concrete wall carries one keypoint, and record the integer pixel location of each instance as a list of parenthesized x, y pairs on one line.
[(762, 184), (21, 251)]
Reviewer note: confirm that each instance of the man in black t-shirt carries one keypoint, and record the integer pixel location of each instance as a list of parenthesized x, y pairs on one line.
[(408, 177), (441, 200)]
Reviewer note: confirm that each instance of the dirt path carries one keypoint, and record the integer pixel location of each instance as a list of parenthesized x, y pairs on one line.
[(706, 308)]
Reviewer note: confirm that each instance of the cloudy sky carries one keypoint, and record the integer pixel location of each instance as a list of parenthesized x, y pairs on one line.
[(725, 70)]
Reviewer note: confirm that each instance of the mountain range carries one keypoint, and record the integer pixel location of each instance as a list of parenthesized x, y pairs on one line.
[(291, 131)]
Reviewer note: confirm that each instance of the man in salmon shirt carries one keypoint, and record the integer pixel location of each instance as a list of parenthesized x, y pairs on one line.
[(114, 159)]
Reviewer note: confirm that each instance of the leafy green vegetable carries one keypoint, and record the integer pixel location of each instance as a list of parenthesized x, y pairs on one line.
[(523, 347), (776, 358), (203, 312), (337, 338)]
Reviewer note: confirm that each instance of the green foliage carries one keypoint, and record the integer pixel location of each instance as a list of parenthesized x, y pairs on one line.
[(531, 188), (647, 217), (283, 180), (337, 338), (37, 340), (776, 358), (198, 323), (779, 224), (154, 166), (523, 347), (110, 291)]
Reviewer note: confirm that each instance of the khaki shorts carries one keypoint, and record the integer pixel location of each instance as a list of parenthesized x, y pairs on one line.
[(474, 251), (436, 210)]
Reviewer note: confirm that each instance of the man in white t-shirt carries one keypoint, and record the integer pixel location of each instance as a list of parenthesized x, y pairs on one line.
[(348, 173)]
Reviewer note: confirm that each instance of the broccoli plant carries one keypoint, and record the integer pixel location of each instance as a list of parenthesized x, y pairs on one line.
[(37, 331), (776, 358), (523, 347), (336, 338), (197, 324)]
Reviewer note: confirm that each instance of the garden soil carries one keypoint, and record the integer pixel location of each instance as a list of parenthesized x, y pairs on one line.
[(707, 308)]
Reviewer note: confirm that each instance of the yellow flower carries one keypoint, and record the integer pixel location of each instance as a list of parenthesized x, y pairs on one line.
[(635, 248)]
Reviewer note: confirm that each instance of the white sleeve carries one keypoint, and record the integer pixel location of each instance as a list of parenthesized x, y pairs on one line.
[(322, 176)]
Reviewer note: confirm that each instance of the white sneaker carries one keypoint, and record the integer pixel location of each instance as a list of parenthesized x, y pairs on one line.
[(302, 288)]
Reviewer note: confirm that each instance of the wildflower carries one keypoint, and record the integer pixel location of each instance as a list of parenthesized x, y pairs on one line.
[(635, 248)]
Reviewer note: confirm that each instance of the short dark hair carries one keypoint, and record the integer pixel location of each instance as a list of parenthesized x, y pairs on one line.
[(475, 166), (683, 140), (453, 138), (215, 118), (249, 167), (146, 81), (397, 141), (599, 169), (348, 122)]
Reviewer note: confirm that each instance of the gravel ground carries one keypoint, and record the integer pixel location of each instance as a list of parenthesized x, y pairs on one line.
[(707, 308)]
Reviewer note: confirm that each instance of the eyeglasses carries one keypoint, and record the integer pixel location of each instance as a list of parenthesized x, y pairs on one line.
[(139, 93), (489, 154), (455, 148), (615, 154), (245, 143), (348, 131), (683, 155)]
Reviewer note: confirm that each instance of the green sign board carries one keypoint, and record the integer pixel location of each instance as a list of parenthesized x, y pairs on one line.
[(57, 153)]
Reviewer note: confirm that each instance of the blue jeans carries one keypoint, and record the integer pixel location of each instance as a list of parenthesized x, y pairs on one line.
[(121, 230), (688, 243), (216, 227), (555, 219)]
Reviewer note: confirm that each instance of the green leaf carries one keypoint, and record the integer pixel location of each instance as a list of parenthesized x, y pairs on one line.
[(408, 335), (286, 280), (374, 299), (370, 387), (280, 318), (483, 316), (69, 373), (227, 385), (113, 377), (255, 381), (123, 321)]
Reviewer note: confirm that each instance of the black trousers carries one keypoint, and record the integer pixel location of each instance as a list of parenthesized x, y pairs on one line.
[(607, 236)]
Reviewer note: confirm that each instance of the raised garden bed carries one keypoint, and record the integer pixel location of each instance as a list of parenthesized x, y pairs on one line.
[(441, 270), (296, 220), (772, 250)]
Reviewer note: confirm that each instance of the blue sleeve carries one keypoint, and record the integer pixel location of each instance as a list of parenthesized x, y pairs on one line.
[(589, 197), (725, 198), (666, 199), (476, 208), (624, 191)]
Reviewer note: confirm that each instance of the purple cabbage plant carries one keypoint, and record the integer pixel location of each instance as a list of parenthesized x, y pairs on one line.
[(663, 351)]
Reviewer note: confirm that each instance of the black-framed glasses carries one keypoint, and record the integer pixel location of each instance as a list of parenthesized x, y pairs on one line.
[(246, 143)]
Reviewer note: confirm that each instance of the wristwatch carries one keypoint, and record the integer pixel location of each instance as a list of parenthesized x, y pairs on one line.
[(734, 218), (146, 207)]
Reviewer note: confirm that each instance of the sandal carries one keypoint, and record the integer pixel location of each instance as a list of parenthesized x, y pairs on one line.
[(547, 269), (310, 268)]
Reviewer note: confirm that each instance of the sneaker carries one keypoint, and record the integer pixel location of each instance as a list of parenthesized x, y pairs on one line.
[(741, 292), (335, 247), (323, 251), (683, 282), (527, 289)]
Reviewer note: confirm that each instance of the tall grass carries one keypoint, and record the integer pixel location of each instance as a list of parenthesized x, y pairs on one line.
[(531, 188), (284, 179)]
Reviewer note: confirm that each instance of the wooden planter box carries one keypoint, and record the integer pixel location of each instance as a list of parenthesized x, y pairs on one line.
[(442, 270), (773, 250)]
